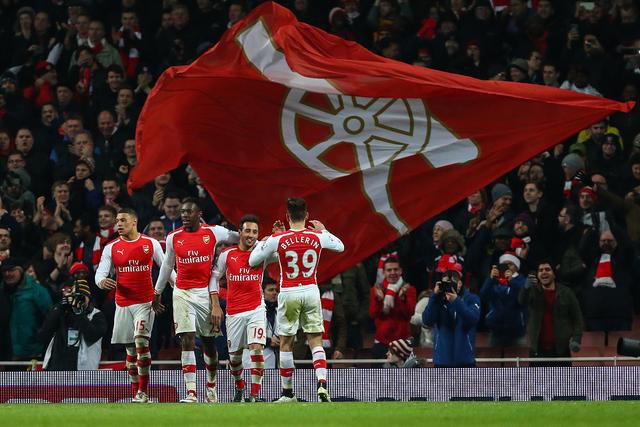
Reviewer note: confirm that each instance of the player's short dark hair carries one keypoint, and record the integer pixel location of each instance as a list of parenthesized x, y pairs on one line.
[(296, 208), (391, 260), (193, 200), (128, 211), (249, 218)]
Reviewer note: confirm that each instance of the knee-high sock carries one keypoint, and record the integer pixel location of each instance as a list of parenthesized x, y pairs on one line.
[(235, 365), (130, 364), (286, 369), (143, 362), (211, 364), (257, 370), (189, 370), (320, 363)]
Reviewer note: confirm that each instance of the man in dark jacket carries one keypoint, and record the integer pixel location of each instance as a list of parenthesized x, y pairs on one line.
[(555, 320), (454, 314)]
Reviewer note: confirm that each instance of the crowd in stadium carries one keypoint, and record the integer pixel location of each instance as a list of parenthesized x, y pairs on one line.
[(549, 250)]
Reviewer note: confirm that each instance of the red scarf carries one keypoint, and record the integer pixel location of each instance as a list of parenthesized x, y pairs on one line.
[(604, 273), (568, 186), (326, 301), (130, 56)]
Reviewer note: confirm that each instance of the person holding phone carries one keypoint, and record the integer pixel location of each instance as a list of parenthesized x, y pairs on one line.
[(506, 318)]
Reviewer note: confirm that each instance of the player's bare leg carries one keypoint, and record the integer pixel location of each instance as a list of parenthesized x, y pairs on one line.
[(130, 364), (320, 365), (286, 369), (257, 370), (236, 368), (144, 365), (211, 364), (188, 342)]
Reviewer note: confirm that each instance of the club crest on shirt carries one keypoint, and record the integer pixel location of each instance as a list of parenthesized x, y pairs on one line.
[(206, 239), (145, 249)]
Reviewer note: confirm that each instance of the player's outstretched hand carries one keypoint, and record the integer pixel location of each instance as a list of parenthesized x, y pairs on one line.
[(317, 225), (157, 305), (108, 284), (278, 227)]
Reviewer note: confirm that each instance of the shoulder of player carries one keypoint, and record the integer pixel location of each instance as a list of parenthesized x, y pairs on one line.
[(229, 249), (112, 243), (282, 233), (310, 231), (148, 239), (176, 231)]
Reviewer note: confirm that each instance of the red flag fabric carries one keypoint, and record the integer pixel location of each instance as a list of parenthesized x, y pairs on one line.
[(279, 108)]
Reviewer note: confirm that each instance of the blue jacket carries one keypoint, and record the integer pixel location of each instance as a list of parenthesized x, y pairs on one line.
[(454, 340), (506, 318)]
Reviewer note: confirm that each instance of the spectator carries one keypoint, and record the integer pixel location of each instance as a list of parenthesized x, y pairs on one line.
[(271, 351), (400, 355), (73, 330), (505, 318), (610, 287), (570, 266), (334, 337), (355, 297), (555, 319), (391, 305), (453, 313), (171, 208), (28, 303)]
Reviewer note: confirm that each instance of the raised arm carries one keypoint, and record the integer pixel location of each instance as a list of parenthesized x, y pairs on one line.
[(263, 251), (331, 242), (225, 235)]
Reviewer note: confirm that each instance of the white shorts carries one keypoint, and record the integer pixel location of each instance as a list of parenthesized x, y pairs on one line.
[(246, 328), (299, 307), (132, 321), (192, 311)]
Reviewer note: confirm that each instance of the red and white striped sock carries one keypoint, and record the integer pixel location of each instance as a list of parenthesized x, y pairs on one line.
[(143, 362), (130, 364), (320, 363), (286, 369), (189, 370), (211, 365), (235, 365), (257, 371)]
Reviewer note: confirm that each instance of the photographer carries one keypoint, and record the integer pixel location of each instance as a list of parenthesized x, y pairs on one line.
[(506, 318), (73, 331), (454, 314)]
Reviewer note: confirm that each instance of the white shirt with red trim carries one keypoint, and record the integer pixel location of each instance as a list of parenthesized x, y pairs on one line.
[(298, 254), (192, 253), (132, 261)]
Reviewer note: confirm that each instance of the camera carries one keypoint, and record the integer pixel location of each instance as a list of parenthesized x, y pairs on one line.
[(449, 282), (502, 268)]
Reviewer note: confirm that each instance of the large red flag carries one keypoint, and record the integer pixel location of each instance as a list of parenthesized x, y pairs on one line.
[(279, 108)]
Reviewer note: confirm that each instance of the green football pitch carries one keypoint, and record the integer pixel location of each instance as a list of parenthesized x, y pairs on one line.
[(388, 414)]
